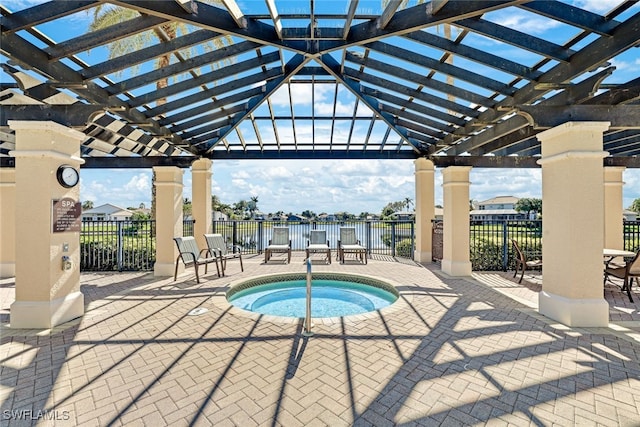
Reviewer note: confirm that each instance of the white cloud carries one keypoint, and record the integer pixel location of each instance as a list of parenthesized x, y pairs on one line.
[(119, 187), (138, 183), (321, 185)]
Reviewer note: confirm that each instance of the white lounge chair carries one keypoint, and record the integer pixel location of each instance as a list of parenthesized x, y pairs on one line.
[(279, 243), (318, 243), (349, 243)]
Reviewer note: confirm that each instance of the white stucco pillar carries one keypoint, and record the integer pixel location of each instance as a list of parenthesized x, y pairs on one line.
[(613, 208), (425, 208), (455, 248), (47, 226), (7, 222), (169, 219), (573, 224), (201, 199)]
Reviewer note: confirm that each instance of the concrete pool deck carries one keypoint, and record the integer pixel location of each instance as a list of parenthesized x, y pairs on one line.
[(455, 351)]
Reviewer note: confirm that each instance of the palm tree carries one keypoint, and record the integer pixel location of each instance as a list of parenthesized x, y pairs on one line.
[(408, 201), (253, 205), (240, 208), (87, 204)]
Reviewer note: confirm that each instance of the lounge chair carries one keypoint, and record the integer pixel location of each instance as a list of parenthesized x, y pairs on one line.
[(279, 243), (349, 243), (522, 262), (318, 243), (218, 248), (190, 255), (627, 272)]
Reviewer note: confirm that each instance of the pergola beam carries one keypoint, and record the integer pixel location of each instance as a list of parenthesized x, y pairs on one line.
[(72, 115), (107, 35), (517, 38), (572, 15), (547, 116), (236, 13), (625, 36), (31, 57)]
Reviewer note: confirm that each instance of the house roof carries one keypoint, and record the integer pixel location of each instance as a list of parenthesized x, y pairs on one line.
[(495, 212), (447, 80), (107, 209), (499, 200)]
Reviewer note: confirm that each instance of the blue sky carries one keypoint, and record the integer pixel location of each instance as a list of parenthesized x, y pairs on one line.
[(331, 186)]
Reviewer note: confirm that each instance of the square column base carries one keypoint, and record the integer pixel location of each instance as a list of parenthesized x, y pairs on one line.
[(163, 269), (7, 270), (423, 256), (574, 312), (456, 268), (46, 314)]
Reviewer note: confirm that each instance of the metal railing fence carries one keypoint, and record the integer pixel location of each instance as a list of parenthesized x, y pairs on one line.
[(631, 232), (117, 245), (130, 245), (491, 247), (394, 238)]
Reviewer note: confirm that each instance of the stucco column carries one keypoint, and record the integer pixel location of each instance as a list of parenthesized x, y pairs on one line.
[(425, 208), (613, 209), (201, 199), (455, 248), (7, 222), (573, 224), (169, 222), (47, 294)]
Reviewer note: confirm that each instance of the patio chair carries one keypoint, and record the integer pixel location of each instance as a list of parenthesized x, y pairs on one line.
[(522, 262), (349, 243), (627, 272), (318, 243), (218, 248), (190, 255), (279, 243)]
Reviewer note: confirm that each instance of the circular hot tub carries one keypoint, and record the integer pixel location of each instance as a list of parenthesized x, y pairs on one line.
[(332, 295)]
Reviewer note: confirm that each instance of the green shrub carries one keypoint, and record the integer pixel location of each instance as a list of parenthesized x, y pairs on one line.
[(403, 248), (486, 256)]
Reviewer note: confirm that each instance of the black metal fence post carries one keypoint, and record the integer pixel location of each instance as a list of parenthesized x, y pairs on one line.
[(505, 245), (119, 246), (393, 239), (234, 233)]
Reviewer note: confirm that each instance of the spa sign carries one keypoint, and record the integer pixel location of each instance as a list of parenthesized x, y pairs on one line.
[(65, 215)]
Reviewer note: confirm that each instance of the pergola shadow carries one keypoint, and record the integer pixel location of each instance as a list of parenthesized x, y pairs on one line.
[(455, 352)]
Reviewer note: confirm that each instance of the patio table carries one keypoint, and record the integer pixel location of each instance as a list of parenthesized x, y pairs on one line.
[(611, 254)]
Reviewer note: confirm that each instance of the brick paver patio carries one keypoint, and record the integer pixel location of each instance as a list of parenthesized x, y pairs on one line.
[(452, 351)]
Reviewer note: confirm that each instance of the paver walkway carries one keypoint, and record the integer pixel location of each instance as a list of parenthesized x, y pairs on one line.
[(453, 351)]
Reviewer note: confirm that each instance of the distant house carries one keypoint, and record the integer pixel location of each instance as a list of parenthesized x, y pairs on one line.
[(219, 216), (499, 208), (107, 212), (629, 215), (403, 215), (295, 217), (327, 217)]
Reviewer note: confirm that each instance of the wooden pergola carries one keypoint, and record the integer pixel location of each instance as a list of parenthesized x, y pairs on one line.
[(416, 88)]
